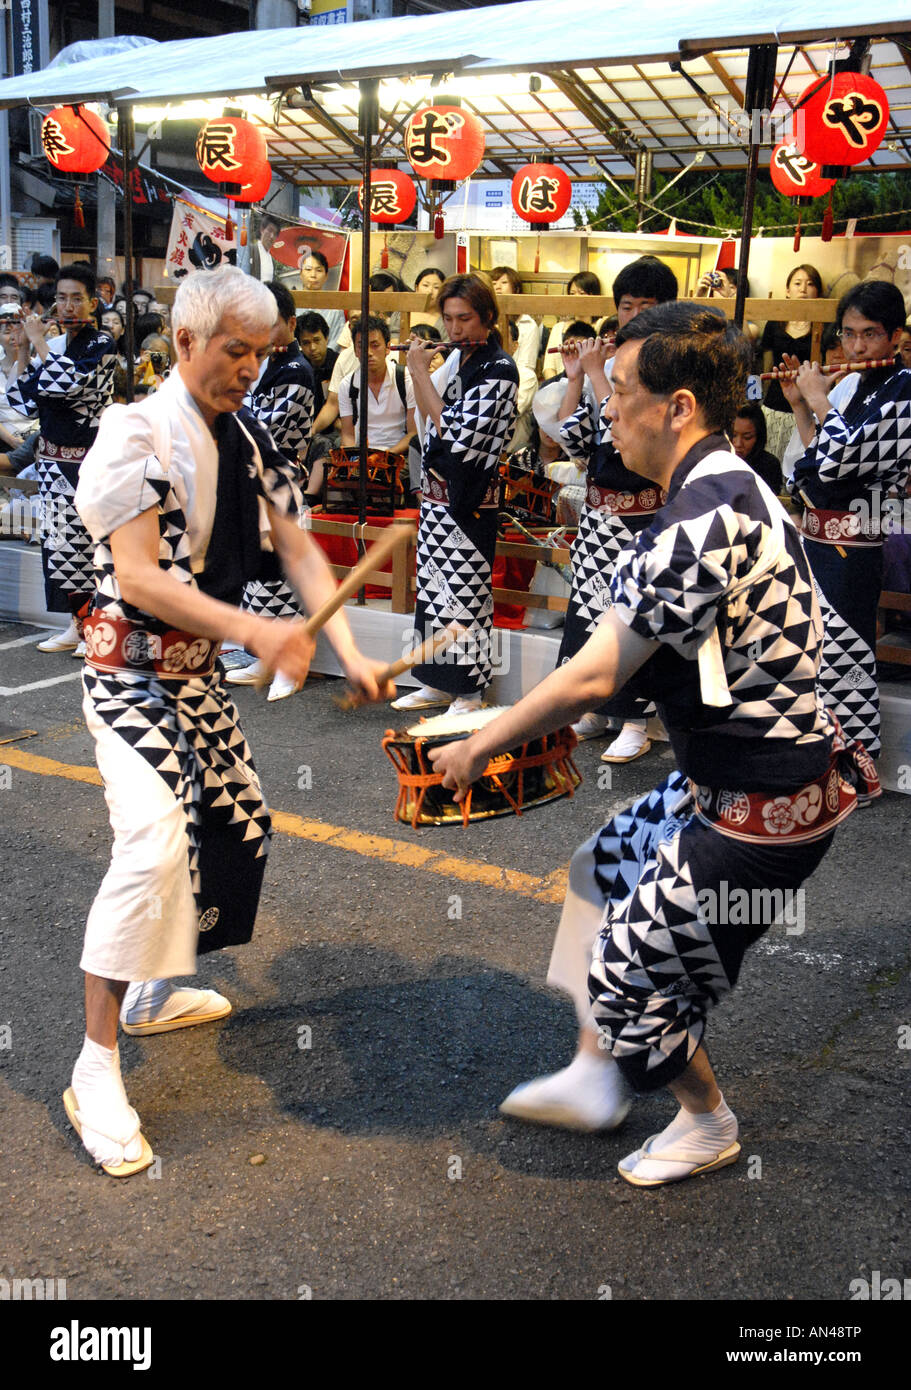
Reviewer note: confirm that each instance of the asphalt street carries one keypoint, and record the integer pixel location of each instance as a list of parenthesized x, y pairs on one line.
[(338, 1135)]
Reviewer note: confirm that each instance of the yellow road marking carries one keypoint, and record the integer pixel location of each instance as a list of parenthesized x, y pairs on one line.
[(49, 767), (548, 888)]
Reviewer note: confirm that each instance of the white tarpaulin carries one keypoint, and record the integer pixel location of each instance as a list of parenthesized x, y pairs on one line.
[(537, 35)]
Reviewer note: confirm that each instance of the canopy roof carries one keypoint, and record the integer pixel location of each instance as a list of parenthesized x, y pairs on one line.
[(607, 89)]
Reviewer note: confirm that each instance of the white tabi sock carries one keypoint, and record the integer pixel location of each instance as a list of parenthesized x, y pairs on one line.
[(108, 1121), (157, 1001), (698, 1136), (589, 1094), (588, 1068), (143, 1000), (689, 1142)]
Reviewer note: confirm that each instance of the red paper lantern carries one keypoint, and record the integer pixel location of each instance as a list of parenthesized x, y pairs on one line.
[(541, 192), (444, 142), (843, 118), (392, 196), (75, 140), (795, 175), (253, 192), (230, 150)]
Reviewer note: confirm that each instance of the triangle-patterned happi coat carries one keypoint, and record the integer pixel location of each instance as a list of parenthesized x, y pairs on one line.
[(186, 729), (860, 457), (69, 390), (661, 960), (457, 537)]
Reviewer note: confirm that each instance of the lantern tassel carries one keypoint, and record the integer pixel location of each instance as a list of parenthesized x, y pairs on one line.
[(229, 226), (78, 214), (538, 254), (827, 221), (243, 229), (384, 254), (797, 232), (438, 227)]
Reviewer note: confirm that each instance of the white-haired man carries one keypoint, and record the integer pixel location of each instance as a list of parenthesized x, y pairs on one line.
[(187, 500)]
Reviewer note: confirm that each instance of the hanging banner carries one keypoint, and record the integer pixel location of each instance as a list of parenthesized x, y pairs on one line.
[(148, 186), (197, 242), (294, 243), (27, 36)]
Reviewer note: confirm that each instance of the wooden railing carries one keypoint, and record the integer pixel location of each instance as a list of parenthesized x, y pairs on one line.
[(818, 312), (524, 550), (401, 582)]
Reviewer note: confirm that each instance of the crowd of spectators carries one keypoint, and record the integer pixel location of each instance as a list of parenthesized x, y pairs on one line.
[(763, 433)]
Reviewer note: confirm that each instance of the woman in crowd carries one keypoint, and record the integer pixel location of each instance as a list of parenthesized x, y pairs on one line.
[(793, 337), (113, 323), (722, 284), (584, 283), (748, 436), (527, 348), (904, 348), (428, 283)]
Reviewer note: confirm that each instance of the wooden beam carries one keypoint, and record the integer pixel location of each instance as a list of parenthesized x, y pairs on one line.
[(730, 86), (585, 103), (903, 44), (543, 305)]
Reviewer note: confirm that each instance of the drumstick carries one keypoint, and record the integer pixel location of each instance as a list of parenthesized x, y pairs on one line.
[(427, 652), (393, 537), (779, 375)]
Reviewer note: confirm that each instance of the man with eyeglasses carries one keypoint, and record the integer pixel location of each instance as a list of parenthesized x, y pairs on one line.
[(69, 381), (857, 439)]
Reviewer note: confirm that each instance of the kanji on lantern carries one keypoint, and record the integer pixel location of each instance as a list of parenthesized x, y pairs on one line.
[(392, 196), (231, 150), (75, 140), (842, 119), (796, 176), (444, 142), (384, 198), (541, 193), (53, 140), (215, 147)]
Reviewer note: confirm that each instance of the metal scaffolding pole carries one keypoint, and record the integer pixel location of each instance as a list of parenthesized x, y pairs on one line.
[(758, 92), (125, 133), (369, 116)]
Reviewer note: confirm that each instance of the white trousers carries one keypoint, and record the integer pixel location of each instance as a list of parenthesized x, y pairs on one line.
[(143, 922), (580, 923)]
